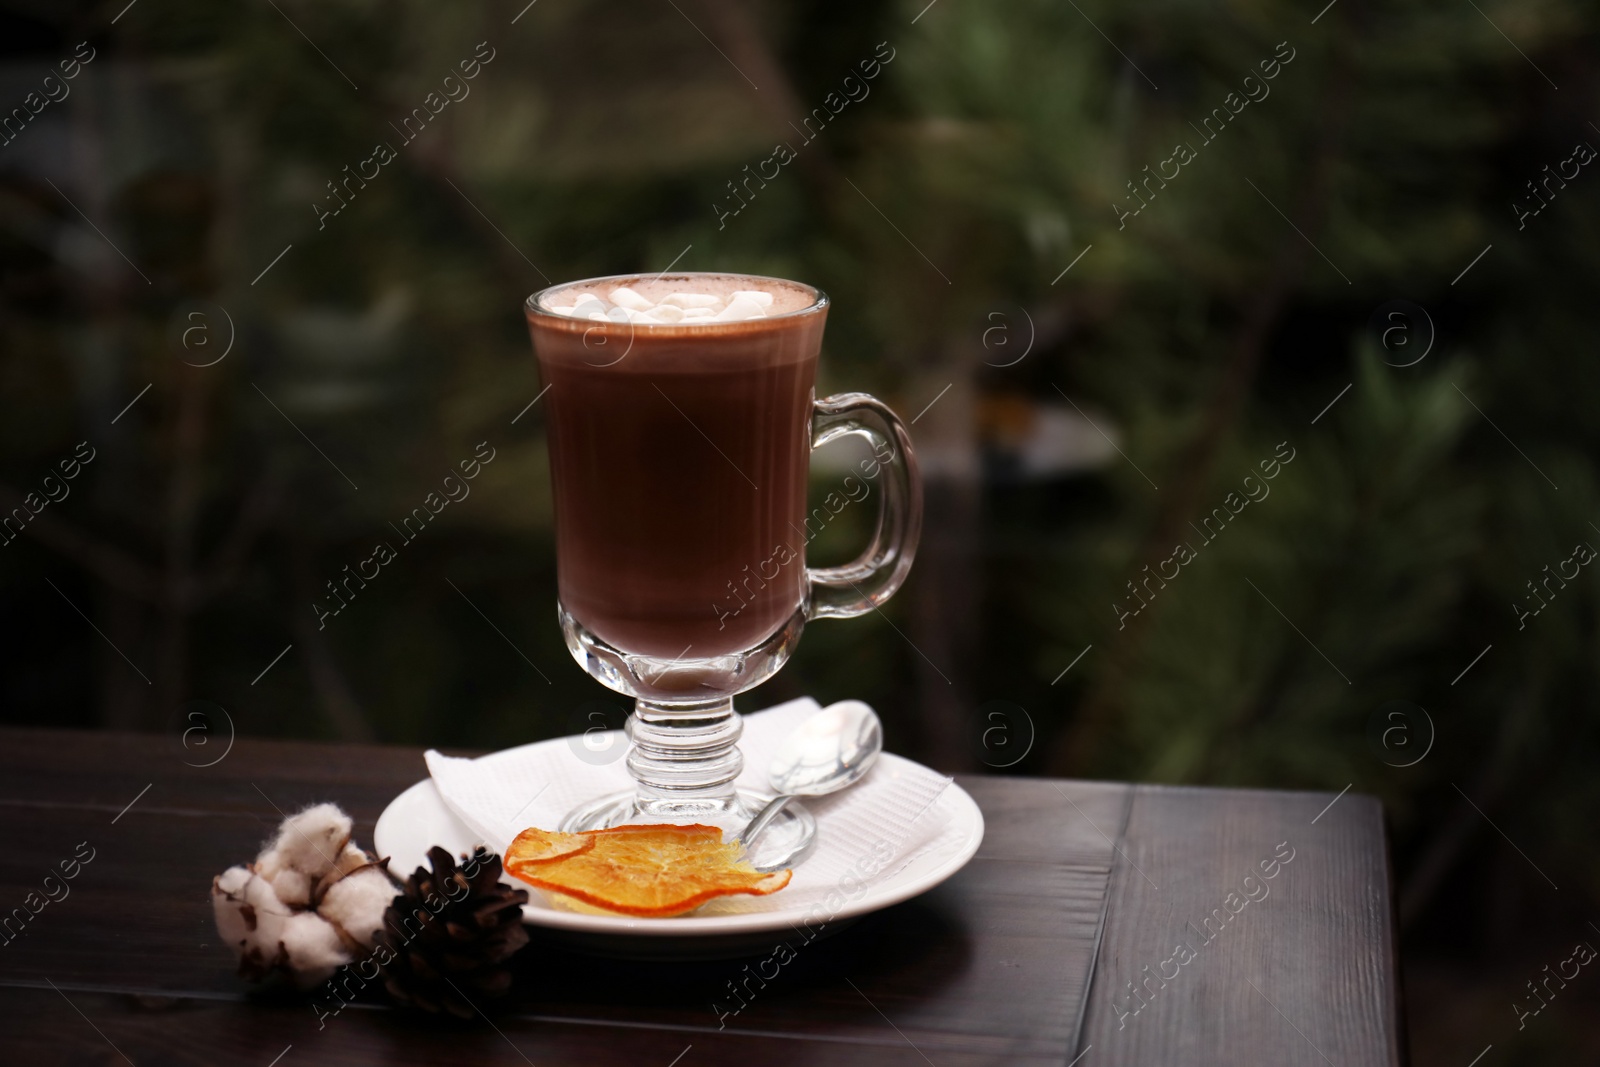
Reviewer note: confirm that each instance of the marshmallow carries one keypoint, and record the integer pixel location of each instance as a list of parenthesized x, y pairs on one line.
[(625, 297), (630, 306), (692, 300), (741, 307)]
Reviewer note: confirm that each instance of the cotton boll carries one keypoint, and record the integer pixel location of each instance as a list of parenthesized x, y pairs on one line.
[(231, 881), (357, 903), (268, 913), (227, 905), (260, 895), (292, 887), (310, 840), (231, 926), (352, 858), (267, 937), (270, 862), (761, 298), (265, 911), (314, 948)]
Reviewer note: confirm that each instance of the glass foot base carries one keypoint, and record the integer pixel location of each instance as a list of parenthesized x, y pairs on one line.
[(784, 842)]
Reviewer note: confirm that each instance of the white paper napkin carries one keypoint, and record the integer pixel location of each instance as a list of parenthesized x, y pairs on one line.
[(864, 834)]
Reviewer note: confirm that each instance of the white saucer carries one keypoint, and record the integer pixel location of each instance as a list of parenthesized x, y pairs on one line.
[(417, 819)]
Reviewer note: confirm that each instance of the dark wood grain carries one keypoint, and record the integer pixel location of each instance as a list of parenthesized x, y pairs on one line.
[(994, 967), (1305, 971)]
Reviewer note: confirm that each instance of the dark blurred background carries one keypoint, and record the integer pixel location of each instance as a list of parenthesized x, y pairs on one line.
[(264, 386)]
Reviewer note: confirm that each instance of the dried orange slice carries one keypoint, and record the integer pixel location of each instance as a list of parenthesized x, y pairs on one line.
[(652, 871), (534, 846)]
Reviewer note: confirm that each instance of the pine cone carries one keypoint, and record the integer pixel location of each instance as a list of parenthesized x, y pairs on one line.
[(450, 932)]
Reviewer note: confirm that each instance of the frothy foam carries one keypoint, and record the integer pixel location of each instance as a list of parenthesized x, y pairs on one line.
[(686, 300)]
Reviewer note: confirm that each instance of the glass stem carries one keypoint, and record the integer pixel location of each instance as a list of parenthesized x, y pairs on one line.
[(685, 757)]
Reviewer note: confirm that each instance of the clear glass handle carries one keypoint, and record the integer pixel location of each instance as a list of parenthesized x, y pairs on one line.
[(857, 587)]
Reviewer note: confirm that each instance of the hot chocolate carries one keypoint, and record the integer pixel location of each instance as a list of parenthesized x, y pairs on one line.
[(679, 451)]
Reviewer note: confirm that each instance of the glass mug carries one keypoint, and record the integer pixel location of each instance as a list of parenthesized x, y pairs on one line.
[(679, 457)]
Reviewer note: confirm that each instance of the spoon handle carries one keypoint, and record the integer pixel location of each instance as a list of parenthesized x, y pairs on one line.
[(763, 819)]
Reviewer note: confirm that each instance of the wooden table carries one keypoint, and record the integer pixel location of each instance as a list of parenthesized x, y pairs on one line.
[(1028, 956)]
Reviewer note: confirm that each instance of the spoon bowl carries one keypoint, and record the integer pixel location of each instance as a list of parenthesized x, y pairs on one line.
[(828, 752)]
